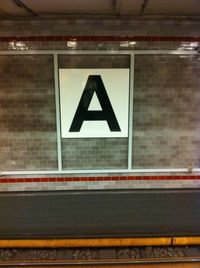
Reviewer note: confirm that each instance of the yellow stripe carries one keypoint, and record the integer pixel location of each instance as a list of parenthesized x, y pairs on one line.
[(186, 240), (101, 242)]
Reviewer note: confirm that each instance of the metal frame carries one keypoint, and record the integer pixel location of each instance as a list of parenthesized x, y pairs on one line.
[(97, 52), (130, 122), (58, 120), (129, 168)]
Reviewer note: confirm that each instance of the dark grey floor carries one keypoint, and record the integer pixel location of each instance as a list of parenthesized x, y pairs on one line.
[(77, 214)]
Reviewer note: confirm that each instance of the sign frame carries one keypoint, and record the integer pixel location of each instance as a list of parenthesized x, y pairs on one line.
[(108, 121)]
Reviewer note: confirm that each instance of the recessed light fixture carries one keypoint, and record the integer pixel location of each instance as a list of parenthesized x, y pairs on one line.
[(72, 44), (127, 44), (19, 45), (188, 46)]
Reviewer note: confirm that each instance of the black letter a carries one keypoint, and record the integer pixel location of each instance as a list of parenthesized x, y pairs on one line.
[(94, 84)]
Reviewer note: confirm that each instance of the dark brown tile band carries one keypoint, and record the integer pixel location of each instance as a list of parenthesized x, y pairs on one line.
[(99, 38)]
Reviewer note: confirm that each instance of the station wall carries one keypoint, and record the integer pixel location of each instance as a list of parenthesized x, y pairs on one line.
[(165, 105)]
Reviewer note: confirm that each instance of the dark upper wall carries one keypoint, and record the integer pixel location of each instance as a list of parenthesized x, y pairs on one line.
[(144, 27)]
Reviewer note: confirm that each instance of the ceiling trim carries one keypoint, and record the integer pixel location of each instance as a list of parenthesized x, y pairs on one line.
[(27, 9)]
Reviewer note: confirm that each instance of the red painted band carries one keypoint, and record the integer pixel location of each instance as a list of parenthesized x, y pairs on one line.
[(101, 178), (100, 38)]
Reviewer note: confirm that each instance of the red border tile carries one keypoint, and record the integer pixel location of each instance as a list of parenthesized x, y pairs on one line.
[(99, 178), (4, 181), (105, 38)]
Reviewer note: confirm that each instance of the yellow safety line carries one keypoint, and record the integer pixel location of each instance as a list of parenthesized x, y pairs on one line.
[(99, 242), (186, 240)]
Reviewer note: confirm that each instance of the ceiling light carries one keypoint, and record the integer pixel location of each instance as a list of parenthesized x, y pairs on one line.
[(72, 44), (188, 46), (127, 44), (17, 45)]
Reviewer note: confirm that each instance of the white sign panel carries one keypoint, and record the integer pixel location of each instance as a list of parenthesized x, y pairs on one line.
[(94, 102)]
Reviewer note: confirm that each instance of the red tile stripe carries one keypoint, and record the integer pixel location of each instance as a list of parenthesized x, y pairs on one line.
[(99, 178), (99, 38)]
